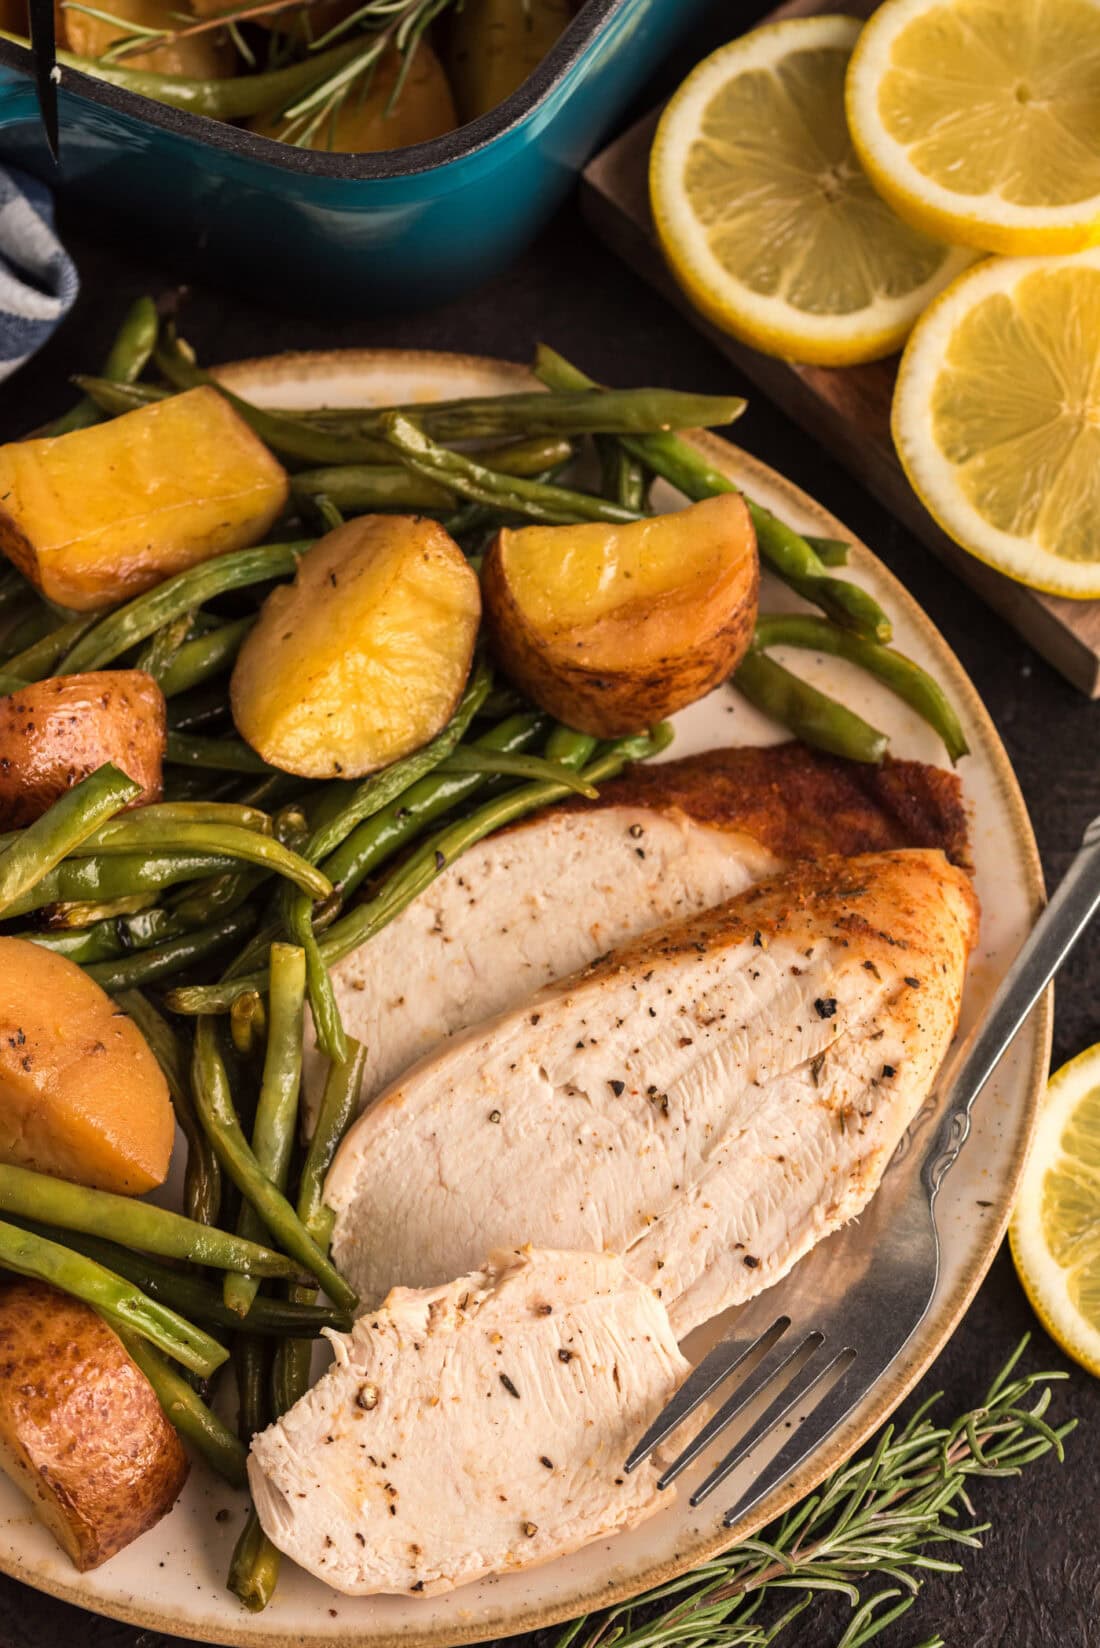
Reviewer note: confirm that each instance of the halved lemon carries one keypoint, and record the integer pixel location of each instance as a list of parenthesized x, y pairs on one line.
[(764, 214), (1055, 1228), (996, 418), (979, 120)]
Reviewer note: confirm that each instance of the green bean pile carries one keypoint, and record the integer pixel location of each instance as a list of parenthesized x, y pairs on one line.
[(214, 915)]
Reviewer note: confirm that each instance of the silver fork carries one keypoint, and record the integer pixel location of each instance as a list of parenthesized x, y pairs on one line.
[(851, 1306)]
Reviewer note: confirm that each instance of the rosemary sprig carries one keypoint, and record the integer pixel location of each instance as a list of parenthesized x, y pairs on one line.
[(888, 1513)]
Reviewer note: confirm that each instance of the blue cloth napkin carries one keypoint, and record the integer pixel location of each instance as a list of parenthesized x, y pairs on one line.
[(38, 282)]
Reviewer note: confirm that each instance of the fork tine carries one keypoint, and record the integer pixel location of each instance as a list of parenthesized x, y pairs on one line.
[(830, 1412), (771, 1368), (715, 1367), (786, 1402)]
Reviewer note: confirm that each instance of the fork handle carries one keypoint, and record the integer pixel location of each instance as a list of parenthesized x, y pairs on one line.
[(1048, 944)]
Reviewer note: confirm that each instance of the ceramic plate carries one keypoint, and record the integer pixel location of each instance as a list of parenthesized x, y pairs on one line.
[(173, 1579)]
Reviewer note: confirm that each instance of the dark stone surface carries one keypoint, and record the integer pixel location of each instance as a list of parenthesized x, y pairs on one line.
[(1037, 1582)]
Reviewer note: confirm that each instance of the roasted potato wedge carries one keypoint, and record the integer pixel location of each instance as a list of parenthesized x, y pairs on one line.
[(207, 56), (364, 657), (495, 44), (365, 125), (611, 628), (55, 732), (81, 1430), (81, 1095), (100, 514)]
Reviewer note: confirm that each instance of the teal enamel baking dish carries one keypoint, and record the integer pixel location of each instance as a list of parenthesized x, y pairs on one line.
[(406, 227)]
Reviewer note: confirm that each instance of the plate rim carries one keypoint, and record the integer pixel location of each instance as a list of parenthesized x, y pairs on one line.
[(896, 1385)]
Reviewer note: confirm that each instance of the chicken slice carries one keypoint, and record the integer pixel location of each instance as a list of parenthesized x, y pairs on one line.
[(473, 1428), (540, 901), (709, 1101)]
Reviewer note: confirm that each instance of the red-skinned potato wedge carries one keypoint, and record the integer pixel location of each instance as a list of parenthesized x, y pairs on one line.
[(611, 628), (98, 515), (81, 1430), (364, 657), (81, 1094), (53, 733)]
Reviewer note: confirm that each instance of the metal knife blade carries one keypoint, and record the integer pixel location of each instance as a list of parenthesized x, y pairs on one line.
[(44, 47)]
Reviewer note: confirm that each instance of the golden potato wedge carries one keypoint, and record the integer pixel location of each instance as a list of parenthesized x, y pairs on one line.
[(495, 44), (364, 657), (365, 125), (207, 56), (81, 1430), (55, 732), (98, 515), (81, 1095), (611, 628)]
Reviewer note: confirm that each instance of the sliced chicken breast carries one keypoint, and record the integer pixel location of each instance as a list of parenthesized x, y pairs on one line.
[(473, 1428), (540, 901), (709, 1100)]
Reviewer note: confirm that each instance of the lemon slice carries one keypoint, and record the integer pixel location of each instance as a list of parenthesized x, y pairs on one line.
[(1055, 1229), (996, 418), (979, 120), (762, 210)]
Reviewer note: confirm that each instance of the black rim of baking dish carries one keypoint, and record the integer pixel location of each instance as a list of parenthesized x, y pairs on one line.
[(575, 41)]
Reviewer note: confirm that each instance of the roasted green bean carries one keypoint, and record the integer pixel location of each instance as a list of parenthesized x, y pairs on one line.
[(30, 1255), (360, 489), (187, 1411), (277, 1110), (100, 942), (366, 489), (202, 1180), (401, 820), (162, 815), (101, 879), (41, 658), (159, 651), (214, 1103), (131, 624), (164, 961), (897, 672), (291, 1366), (221, 754), (809, 714), (74, 815), (254, 1569), (204, 657), (535, 500), (126, 361), (138, 834), (831, 552), (132, 1223), (531, 767), (566, 747), (328, 1025), (338, 1107), (588, 411)]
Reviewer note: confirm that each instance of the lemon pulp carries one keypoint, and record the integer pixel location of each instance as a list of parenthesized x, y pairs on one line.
[(995, 99)]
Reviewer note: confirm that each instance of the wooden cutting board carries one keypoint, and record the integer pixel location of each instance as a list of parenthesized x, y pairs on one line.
[(846, 408)]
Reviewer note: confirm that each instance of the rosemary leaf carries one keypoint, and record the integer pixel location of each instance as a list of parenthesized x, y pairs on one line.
[(895, 1513)]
